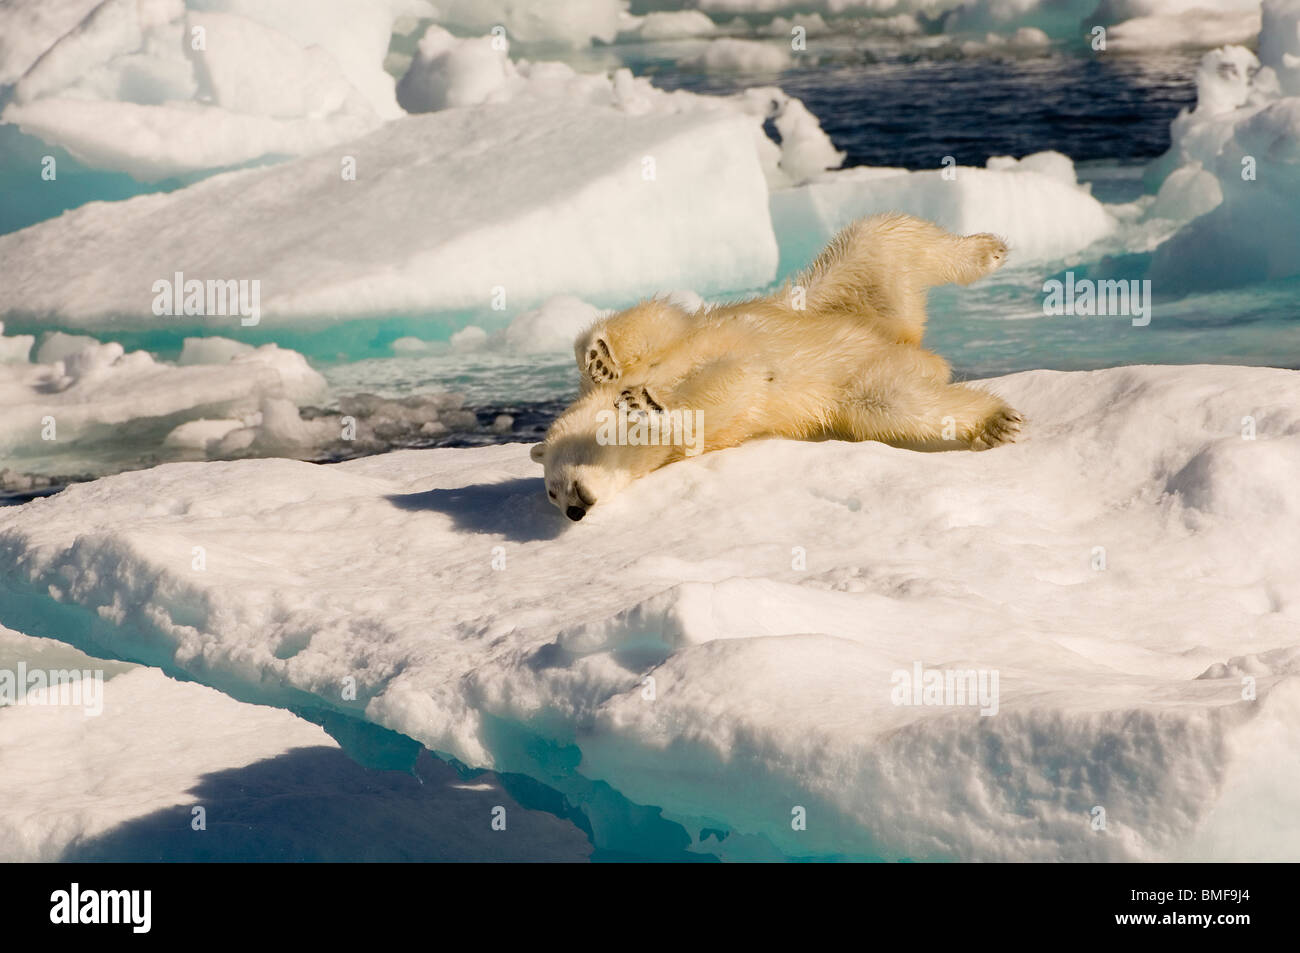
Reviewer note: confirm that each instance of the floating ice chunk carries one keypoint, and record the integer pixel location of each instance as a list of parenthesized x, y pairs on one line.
[(124, 785), (806, 150), (1189, 192), (566, 22), (30, 27), (1028, 37), (156, 90), (1130, 24), (212, 350), (1029, 203), (534, 198), (1024, 41), (738, 624), (731, 55), (201, 435), (813, 24), (1114, 11), (551, 327), (1251, 235), (1223, 81), (57, 346), (449, 72), (667, 25), (1050, 163), (469, 338), (355, 34), (249, 68), (92, 394), (1194, 29), (1245, 131), (67, 777), (414, 345), (15, 348), (1279, 45), (156, 142), (112, 29), (1055, 17)]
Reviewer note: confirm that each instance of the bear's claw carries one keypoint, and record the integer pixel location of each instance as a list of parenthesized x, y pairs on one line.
[(1002, 427)]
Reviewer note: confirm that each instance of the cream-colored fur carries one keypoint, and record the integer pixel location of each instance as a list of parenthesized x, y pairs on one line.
[(835, 354)]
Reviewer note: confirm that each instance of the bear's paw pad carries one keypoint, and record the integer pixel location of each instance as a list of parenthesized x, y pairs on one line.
[(599, 361), (639, 401)]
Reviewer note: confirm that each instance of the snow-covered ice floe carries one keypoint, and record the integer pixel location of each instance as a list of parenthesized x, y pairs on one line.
[(531, 198), (734, 641)]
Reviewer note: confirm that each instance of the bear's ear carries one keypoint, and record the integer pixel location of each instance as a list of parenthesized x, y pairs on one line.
[(538, 452)]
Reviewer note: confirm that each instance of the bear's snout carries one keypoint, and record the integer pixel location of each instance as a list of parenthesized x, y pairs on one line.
[(575, 513)]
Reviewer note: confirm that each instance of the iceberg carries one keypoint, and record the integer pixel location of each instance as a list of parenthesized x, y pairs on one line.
[(81, 396), (1245, 132), (752, 637)]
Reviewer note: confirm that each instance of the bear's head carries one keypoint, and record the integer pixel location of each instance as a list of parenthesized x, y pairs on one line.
[(584, 466)]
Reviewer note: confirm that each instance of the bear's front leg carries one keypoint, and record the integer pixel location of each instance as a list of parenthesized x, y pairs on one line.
[(620, 346)]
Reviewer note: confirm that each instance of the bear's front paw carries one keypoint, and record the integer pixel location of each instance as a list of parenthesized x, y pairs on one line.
[(599, 362), (1003, 426), (639, 401)]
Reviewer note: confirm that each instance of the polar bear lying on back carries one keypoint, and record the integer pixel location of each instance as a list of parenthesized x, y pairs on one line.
[(837, 353)]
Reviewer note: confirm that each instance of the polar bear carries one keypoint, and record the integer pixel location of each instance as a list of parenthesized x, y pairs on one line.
[(836, 353)]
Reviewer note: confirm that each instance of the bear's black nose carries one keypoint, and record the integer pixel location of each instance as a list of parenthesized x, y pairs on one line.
[(575, 513)]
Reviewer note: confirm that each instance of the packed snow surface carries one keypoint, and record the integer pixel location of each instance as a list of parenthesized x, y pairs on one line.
[(725, 641)]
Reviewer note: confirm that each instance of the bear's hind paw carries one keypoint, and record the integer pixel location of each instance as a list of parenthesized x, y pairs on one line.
[(988, 252), (1001, 427), (599, 362)]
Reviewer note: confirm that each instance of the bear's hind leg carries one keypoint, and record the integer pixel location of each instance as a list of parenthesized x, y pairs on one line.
[(879, 270), (969, 258), (926, 415)]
